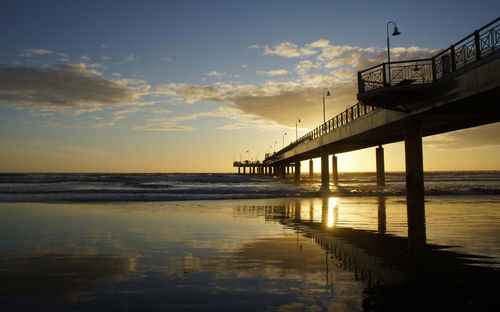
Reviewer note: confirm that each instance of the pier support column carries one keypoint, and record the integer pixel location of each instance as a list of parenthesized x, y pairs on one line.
[(310, 169), (325, 181), (379, 155), (415, 189), (335, 172), (239, 170), (297, 171), (283, 171), (244, 170)]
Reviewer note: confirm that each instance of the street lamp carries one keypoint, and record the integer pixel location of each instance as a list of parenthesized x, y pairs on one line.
[(394, 33), (297, 120), (327, 94), (284, 140)]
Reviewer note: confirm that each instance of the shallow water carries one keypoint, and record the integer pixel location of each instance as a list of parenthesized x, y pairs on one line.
[(262, 254)]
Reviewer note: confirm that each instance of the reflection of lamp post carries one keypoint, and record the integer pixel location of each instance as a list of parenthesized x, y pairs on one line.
[(297, 120), (394, 33), (327, 94)]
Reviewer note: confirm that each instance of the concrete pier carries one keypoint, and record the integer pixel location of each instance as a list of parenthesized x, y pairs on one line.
[(297, 171), (283, 171), (415, 189), (311, 167), (325, 181), (335, 171), (379, 155)]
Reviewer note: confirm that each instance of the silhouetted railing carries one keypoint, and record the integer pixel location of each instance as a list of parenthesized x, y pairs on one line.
[(345, 117), (477, 45)]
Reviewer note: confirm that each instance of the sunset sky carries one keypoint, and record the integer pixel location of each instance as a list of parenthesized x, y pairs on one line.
[(190, 86)]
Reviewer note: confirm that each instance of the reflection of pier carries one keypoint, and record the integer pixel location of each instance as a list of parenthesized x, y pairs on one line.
[(381, 260)]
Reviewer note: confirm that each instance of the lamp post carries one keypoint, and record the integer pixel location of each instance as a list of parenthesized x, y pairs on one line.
[(284, 140), (327, 94), (297, 120), (394, 33)]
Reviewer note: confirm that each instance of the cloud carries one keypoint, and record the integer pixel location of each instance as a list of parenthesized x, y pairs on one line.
[(216, 74), (130, 58), (104, 57), (64, 86), (85, 58), (276, 72), (288, 49), (254, 46), (31, 52)]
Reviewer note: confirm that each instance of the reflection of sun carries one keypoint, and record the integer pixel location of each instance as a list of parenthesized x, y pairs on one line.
[(332, 203)]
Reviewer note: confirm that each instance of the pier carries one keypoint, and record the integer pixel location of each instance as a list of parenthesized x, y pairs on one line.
[(455, 89)]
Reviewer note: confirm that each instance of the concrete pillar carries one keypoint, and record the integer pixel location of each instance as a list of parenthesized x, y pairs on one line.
[(287, 169), (239, 170), (311, 169), (335, 172), (379, 155), (244, 170), (297, 171), (283, 171), (415, 189), (325, 181)]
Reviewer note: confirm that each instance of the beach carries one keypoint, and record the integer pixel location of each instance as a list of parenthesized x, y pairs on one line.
[(289, 253)]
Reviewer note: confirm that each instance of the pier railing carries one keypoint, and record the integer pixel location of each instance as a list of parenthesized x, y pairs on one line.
[(480, 43), (342, 119)]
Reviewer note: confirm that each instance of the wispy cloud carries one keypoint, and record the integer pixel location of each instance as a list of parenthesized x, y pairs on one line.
[(275, 72), (216, 74), (31, 52), (288, 49)]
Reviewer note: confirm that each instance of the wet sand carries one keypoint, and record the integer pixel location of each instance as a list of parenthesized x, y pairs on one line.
[(340, 254)]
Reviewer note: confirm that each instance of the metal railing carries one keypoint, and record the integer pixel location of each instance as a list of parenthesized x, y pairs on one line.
[(342, 119), (479, 44)]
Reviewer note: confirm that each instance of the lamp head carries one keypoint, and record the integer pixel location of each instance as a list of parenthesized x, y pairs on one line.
[(327, 92), (396, 31)]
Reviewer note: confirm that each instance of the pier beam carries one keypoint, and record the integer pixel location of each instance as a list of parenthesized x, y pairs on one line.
[(325, 183), (297, 171), (335, 172), (415, 189), (310, 169), (379, 155)]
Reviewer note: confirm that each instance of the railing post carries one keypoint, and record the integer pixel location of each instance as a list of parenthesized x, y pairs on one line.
[(433, 64), (360, 83), (384, 80), (453, 61), (477, 43)]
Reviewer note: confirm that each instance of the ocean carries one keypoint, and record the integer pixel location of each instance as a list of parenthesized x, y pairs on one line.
[(99, 187), (226, 242)]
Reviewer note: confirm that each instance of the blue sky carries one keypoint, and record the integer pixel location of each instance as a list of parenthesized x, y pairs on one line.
[(182, 86)]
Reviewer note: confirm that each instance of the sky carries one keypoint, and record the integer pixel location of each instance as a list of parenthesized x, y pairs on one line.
[(191, 86)]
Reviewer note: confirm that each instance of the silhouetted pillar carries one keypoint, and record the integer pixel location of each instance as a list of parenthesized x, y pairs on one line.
[(379, 153), (244, 170), (283, 171), (287, 169), (311, 169), (382, 219), (297, 171), (324, 171), (415, 189), (239, 170), (335, 172)]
